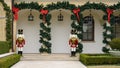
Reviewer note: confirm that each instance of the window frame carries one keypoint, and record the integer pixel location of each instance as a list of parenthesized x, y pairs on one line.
[(117, 22), (93, 31)]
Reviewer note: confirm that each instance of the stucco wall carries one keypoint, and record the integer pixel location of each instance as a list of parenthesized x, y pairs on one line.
[(2, 24), (3, 20), (8, 2)]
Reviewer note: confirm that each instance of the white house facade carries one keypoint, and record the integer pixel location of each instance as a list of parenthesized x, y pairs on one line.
[(92, 38)]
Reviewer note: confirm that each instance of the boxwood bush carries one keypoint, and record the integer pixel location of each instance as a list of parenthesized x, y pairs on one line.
[(98, 59), (4, 47), (8, 61), (115, 43)]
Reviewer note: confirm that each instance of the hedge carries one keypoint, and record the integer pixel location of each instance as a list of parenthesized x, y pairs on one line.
[(98, 59), (8, 61), (115, 43), (4, 47)]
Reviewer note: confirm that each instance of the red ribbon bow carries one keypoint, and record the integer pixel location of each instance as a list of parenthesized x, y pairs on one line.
[(15, 11), (44, 13), (109, 11), (76, 11)]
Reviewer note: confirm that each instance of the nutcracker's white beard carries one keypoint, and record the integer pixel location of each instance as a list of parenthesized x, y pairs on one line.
[(73, 48)]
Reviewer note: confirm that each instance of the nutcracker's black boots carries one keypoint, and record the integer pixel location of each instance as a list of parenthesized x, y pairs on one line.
[(20, 52), (72, 53)]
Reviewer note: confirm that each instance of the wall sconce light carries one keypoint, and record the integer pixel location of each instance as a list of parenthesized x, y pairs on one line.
[(30, 17), (91, 17), (60, 17)]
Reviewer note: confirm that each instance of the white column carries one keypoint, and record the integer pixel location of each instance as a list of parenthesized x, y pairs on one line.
[(14, 35)]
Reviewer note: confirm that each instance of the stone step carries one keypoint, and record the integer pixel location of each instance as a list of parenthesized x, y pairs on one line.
[(49, 57)]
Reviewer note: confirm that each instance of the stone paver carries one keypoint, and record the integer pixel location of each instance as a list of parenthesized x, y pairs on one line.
[(49, 64)]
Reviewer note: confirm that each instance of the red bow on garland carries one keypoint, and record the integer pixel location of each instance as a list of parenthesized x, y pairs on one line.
[(109, 11), (76, 11), (44, 13), (15, 11)]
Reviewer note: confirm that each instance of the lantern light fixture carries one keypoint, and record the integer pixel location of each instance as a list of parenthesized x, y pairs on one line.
[(60, 16), (30, 17)]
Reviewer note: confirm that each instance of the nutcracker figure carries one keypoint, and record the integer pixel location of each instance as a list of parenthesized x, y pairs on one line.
[(20, 42), (73, 42)]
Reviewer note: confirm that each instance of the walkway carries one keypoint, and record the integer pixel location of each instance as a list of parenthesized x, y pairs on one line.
[(49, 57), (49, 64), (49, 61)]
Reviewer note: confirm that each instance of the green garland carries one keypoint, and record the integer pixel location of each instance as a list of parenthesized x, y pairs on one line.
[(8, 22), (97, 6), (59, 5), (114, 7), (32, 5), (45, 32), (111, 36)]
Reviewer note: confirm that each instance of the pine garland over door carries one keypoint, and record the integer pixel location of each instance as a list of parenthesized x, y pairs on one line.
[(45, 32)]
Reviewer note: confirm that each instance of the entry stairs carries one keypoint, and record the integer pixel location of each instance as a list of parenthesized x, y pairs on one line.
[(49, 57)]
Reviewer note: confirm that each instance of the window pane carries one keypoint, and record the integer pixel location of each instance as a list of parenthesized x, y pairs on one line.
[(84, 36), (90, 36), (116, 27), (85, 27), (88, 26), (90, 23)]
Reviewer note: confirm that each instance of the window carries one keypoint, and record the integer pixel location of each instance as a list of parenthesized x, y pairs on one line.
[(88, 28), (116, 27)]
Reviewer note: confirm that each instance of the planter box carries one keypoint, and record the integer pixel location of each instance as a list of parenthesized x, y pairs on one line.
[(99, 59)]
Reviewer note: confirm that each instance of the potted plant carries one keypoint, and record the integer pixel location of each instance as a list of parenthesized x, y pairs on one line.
[(115, 45)]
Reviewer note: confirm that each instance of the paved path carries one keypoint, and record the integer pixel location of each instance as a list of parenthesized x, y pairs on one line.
[(49, 61), (49, 64)]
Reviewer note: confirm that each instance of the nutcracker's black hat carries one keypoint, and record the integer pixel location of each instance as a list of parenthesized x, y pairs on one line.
[(20, 31)]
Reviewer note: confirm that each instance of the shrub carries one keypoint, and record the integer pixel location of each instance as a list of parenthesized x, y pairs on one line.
[(115, 43), (8, 61), (4, 47), (99, 59)]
